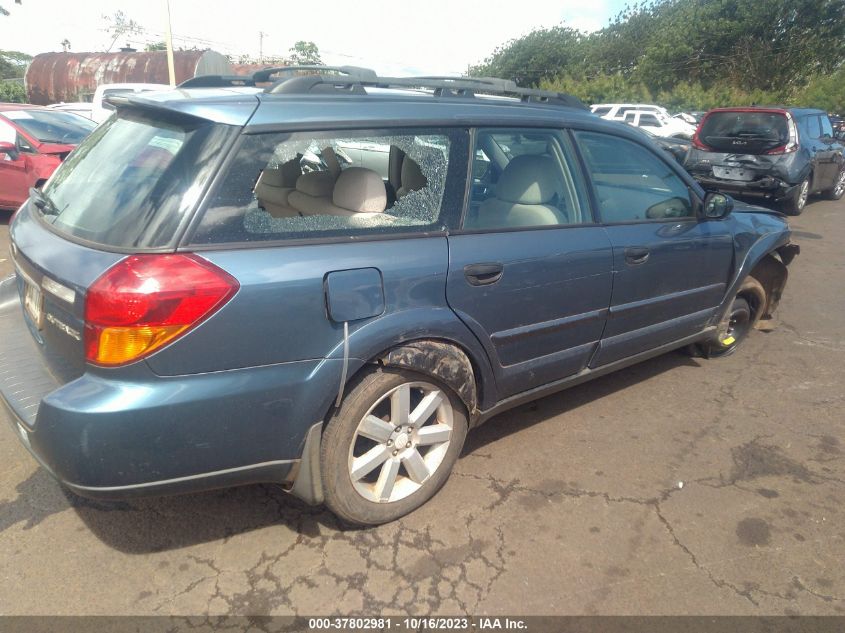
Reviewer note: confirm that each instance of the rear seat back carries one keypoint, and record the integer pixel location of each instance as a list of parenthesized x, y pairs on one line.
[(404, 175), (358, 191), (313, 192), (275, 185), (412, 178)]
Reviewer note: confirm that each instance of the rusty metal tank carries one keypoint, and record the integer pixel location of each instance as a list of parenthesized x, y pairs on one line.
[(56, 77)]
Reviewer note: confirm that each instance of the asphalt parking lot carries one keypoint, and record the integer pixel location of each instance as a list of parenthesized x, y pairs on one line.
[(678, 486)]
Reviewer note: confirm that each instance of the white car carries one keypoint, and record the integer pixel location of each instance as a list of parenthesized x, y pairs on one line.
[(665, 125), (100, 110), (659, 125), (81, 108)]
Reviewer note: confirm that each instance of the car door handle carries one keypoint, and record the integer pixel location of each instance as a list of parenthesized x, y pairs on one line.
[(483, 274), (636, 255)]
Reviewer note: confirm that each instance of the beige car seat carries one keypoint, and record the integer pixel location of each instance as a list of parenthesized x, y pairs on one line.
[(412, 178), (527, 187), (358, 192), (275, 185)]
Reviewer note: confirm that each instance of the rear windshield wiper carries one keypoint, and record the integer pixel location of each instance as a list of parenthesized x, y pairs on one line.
[(43, 202)]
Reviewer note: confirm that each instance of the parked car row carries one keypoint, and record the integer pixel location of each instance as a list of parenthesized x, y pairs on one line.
[(780, 156)]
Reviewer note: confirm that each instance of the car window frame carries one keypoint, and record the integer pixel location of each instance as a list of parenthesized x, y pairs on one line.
[(588, 207), (657, 121), (185, 243), (822, 119), (696, 200)]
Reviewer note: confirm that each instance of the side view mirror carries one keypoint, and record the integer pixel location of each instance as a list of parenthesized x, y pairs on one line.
[(717, 205), (10, 149)]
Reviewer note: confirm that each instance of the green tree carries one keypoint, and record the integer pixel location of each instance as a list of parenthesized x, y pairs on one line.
[(689, 51), (13, 64), (540, 55), (156, 46), (304, 53)]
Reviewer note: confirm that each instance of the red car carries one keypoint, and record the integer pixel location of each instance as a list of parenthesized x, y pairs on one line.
[(33, 141)]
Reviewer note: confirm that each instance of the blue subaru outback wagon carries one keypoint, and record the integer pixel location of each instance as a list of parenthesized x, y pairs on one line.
[(326, 283)]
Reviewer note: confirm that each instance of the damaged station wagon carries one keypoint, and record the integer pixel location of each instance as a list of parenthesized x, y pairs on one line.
[(327, 283)]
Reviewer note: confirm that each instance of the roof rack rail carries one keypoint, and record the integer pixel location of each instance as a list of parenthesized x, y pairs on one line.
[(467, 87), (217, 81)]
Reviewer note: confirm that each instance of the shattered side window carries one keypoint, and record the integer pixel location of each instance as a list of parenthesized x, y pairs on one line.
[(342, 184)]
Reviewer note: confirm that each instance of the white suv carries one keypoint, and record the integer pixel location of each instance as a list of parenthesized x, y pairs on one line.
[(656, 118)]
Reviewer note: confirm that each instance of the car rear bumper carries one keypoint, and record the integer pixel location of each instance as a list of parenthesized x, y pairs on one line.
[(112, 436), (765, 187)]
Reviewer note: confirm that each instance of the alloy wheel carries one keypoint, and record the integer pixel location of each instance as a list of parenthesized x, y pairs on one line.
[(803, 195), (839, 189), (400, 442)]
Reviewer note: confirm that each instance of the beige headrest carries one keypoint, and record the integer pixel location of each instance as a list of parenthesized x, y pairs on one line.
[(528, 179), (331, 161), (412, 177), (285, 175), (360, 190), (318, 184)]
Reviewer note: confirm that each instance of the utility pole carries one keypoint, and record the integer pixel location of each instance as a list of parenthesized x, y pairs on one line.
[(171, 69), (261, 35)]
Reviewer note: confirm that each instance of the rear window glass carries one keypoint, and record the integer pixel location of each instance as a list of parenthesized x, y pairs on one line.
[(131, 182), (747, 132), (338, 184), (52, 127)]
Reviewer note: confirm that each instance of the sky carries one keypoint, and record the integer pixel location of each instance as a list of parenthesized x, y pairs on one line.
[(441, 37)]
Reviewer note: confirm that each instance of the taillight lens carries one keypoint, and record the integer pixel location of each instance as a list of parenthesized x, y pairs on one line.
[(784, 149), (697, 144), (146, 301)]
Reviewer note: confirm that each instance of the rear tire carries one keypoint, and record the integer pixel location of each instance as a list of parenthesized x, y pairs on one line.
[(746, 309), (797, 200), (373, 473), (838, 189)]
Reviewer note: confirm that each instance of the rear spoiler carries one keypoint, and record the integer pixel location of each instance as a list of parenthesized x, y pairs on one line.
[(235, 113)]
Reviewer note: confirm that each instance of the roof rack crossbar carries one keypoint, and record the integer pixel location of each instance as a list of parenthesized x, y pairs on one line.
[(217, 81), (356, 72)]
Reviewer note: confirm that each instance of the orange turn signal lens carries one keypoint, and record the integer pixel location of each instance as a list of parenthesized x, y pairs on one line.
[(118, 345)]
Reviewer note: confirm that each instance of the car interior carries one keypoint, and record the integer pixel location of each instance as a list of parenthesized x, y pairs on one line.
[(338, 184), (525, 182)]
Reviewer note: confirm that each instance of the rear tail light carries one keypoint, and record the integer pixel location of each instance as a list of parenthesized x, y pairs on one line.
[(697, 144), (784, 149), (696, 139), (146, 301), (792, 144)]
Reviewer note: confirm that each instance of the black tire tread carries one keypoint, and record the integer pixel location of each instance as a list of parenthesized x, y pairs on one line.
[(340, 497)]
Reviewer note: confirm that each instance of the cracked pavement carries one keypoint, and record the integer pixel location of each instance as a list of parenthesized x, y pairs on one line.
[(677, 486)]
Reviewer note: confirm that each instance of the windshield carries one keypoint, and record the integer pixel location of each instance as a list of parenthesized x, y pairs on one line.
[(52, 127), (133, 180), (746, 132)]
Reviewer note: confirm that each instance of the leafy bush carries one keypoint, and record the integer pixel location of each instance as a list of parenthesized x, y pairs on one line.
[(12, 92)]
